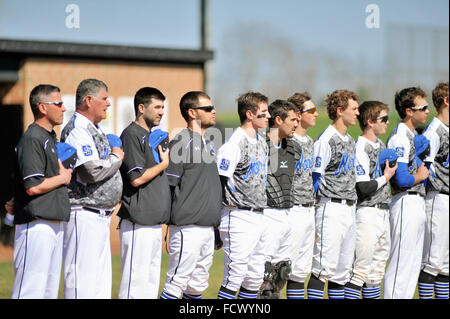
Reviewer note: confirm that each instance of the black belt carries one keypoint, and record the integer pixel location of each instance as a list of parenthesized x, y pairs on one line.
[(99, 211), (414, 193), (306, 205), (258, 210), (382, 206), (348, 202)]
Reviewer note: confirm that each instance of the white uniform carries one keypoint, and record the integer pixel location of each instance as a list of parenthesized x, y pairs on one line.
[(372, 218), (436, 245), (242, 229), (407, 220), (301, 215), (87, 249), (335, 214)]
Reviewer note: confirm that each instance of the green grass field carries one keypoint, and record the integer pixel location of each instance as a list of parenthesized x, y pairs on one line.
[(215, 277), (232, 120), (215, 280)]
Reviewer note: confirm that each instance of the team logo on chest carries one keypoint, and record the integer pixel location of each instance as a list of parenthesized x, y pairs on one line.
[(346, 165), (224, 164), (254, 169), (87, 150), (304, 164)]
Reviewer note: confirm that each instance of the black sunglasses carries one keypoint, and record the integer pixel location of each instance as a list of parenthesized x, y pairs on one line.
[(204, 108), (383, 119)]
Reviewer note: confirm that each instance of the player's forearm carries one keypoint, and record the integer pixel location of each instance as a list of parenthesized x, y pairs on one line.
[(98, 170), (46, 186), (149, 174)]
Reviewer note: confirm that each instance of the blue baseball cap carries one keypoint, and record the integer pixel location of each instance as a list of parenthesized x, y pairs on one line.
[(388, 154), (67, 154), (422, 146), (114, 140), (421, 143), (154, 139)]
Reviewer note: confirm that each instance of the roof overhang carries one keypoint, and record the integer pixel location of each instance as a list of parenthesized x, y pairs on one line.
[(13, 51)]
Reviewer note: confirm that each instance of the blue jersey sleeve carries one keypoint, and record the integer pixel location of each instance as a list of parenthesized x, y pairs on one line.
[(402, 176)]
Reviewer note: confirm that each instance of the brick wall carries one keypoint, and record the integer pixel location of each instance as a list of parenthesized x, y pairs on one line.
[(122, 79)]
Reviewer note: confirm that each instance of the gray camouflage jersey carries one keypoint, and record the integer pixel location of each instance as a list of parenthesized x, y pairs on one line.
[(246, 185), (104, 194), (382, 195), (439, 177), (338, 177), (302, 184), (402, 130)]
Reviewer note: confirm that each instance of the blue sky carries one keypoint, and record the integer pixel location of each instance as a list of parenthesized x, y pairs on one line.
[(333, 27)]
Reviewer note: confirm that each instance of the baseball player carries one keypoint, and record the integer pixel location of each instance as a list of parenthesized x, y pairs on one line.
[(94, 192), (283, 156), (407, 208), (242, 165), (372, 213), (196, 201), (334, 178), (434, 274), (41, 203), (145, 200), (301, 215)]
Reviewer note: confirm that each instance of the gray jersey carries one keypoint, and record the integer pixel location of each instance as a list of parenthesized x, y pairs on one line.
[(402, 141), (244, 161), (437, 133), (302, 184), (368, 168), (93, 151), (335, 162)]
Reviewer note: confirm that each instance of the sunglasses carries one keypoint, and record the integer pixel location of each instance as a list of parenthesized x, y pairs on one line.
[(383, 118), (419, 108), (204, 108), (311, 110), (58, 104), (261, 116)]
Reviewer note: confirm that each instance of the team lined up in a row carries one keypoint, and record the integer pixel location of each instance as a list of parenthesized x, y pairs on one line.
[(278, 202)]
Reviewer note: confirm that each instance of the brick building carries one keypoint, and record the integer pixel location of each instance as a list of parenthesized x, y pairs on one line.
[(125, 69)]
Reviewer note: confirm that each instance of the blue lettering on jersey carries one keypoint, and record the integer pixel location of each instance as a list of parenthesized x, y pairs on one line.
[(318, 161), (304, 164), (378, 172), (360, 170), (347, 164), (400, 151), (87, 150), (254, 169), (224, 164)]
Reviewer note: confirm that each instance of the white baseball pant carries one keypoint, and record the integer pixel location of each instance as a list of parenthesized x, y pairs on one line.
[(302, 244), (244, 237), (279, 234), (37, 259), (407, 220), (436, 242), (372, 246), (87, 256), (140, 252), (191, 250), (335, 241)]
